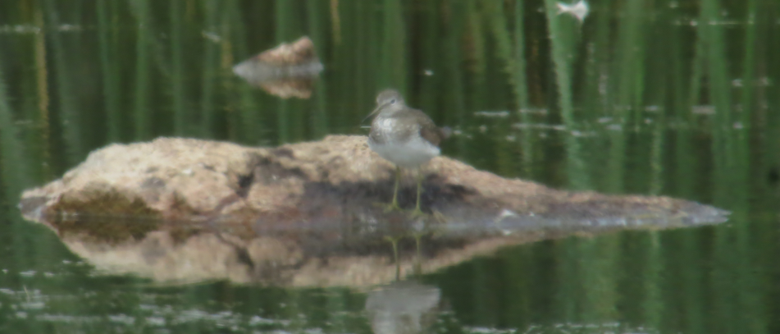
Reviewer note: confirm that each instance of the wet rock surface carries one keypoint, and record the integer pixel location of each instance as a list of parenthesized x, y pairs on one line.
[(305, 214)]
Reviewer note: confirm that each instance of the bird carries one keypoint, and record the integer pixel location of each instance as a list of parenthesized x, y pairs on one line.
[(405, 136)]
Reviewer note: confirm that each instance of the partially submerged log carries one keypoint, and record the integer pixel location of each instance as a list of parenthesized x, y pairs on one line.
[(305, 214)]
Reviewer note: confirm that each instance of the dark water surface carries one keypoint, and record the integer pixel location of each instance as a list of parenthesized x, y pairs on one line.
[(676, 98)]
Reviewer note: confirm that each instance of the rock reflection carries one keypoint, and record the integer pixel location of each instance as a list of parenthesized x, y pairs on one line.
[(289, 70), (354, 253), (405, 307)]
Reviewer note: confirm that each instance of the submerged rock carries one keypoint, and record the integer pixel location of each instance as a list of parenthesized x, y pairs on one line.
[(305, 214)]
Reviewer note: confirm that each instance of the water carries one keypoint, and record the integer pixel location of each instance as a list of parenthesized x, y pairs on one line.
[(669, 98)]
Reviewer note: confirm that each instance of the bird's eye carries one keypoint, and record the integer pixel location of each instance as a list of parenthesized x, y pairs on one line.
[(392, 101)]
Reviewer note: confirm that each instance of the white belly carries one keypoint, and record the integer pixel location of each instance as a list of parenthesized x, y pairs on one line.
[(408, 154)]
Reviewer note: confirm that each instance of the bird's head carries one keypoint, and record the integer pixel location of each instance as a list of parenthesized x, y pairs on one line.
[(388, 98)]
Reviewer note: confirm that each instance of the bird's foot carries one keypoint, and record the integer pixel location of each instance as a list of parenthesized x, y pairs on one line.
[(439, 217), (388, 207), (435, 216), (394, 242), (417, 214)]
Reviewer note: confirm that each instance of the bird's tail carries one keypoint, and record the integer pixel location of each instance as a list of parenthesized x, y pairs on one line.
[(446, 132)]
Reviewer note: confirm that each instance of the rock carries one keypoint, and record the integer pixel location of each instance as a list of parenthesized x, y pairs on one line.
[(288, 70), (304, 214)]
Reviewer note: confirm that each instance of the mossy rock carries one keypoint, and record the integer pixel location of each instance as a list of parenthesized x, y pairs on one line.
[(105, 215)]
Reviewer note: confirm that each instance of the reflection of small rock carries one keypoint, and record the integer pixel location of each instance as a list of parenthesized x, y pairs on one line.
[(289, 88), (289, 70), (579, 10)]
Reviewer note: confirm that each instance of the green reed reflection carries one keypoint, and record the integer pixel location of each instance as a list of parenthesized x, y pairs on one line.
[(141, 108), (564, 33), (109, 64), (15, 166), (72, 120), (211, 69)]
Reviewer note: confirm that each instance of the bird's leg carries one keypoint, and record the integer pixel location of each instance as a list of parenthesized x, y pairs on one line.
[(417, 211), (418, 258), (394, 243), (394, 204)]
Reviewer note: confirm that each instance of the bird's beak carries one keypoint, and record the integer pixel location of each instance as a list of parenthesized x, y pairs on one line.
[(378, 108)]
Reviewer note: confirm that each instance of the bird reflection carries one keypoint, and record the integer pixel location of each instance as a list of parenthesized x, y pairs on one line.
[(403, 307)]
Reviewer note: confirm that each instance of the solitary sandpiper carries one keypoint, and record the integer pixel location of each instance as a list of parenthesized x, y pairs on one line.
[(404, 136)]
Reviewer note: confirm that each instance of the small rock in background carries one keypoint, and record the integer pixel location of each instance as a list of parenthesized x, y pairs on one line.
[(288, 70)]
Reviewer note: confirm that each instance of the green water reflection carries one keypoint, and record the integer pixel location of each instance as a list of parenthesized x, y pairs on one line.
[(676, 98)]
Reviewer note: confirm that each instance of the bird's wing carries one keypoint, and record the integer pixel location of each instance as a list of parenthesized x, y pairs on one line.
[(428, 130)]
